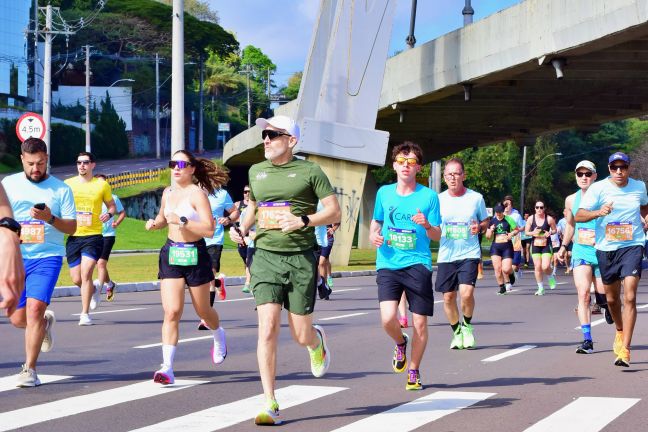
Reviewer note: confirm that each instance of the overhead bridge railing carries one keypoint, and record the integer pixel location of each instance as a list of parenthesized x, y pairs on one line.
[(130, 178)]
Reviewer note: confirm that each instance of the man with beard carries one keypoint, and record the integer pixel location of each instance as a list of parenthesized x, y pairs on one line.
[(44, 207), (283, 199)]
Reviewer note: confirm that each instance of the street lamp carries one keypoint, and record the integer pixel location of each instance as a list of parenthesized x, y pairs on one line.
[(88, 146), (525, 175), (120, 80)]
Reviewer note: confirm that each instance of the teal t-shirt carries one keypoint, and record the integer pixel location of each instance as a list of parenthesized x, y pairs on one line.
[(584, 236)]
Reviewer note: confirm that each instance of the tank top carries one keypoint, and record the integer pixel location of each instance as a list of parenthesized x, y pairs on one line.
[(582, 251), (544, 227)]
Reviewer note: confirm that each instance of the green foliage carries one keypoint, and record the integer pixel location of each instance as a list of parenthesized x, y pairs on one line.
[(67, 142), (260, 63), (109, 139), (291, 91)]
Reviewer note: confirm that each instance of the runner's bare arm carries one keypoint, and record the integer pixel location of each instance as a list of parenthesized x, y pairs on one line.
[(160, 221), (375, 233), (12, 271)]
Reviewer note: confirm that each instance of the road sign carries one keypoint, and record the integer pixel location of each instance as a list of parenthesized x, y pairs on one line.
[(30, 125), (223, 127)]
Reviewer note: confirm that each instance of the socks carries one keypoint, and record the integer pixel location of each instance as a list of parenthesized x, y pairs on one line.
[(508, 286), (168, 353), (540, 285), (587, 331), (601, 300), (467, 319), (455, 326), (212, 297)]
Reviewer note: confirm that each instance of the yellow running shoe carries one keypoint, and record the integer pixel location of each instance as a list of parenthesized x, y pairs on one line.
[(618, 342), (413, 380), (623, 358), (399, 361), (269, 416)]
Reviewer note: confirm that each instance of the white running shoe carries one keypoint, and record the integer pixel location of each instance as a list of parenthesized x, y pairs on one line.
[(219, 350), (321, 356), (85, 320), (164, 375), (27, 378), (48, 342), (96, 295)]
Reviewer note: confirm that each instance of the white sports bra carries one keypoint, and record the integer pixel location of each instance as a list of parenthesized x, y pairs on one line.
[(183, 208)]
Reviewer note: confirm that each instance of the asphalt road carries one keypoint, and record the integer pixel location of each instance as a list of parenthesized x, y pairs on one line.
[(537, 382)]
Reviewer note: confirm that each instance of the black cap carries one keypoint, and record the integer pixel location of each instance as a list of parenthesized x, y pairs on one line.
[(499, 208)]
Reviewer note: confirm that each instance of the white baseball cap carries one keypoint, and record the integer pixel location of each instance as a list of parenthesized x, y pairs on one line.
[(587, 165), (280, 122)]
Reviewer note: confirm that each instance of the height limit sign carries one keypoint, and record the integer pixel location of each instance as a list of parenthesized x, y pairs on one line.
[(30, 125)]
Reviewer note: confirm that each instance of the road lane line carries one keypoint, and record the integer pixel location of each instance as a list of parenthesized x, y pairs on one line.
[(346, 289), (222, 416), (588, 414), (179, 341), (643, 306), (80, 404), (9, 382), (111, 311), (417, 413), (593, 323), (235, 300), (343, 316), (509, 353)]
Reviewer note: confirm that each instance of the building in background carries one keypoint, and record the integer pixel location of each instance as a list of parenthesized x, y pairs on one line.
[(14, 20)]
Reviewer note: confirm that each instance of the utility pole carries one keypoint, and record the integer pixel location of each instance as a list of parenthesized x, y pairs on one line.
[(247, 71), (524, 158), (268, 84), (47, 79), (35, 6), (88, 147), (157, 106), (468, 13), (177, 79), (201, 106), (410, 40)]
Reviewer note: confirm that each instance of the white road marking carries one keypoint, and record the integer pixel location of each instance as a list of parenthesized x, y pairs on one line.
[(509, 353), (346, 289), (111, 311), (235, 300), (222, 416), (643, 306), (585, 414), (343, 316), (417, 413), (9, 382), (593, 323), (179, 341), (80, 404)]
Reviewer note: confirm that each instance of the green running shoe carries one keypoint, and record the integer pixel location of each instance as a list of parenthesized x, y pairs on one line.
[(552, 282), (246, 289), (320, 357), (539, 292), (270, 415), (457, 339), (467, 335)]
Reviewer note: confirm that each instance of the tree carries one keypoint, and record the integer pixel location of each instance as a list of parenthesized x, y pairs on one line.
[(259, 62), (109, 138), (291, 91), (199, 9)]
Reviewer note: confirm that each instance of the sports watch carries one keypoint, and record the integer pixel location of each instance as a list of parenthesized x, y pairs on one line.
[(306, 220), (183, 221), (10, 224)]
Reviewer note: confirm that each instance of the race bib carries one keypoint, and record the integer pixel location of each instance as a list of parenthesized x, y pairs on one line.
[(501, 238), (586, 236), (182, 254), (402, 239), (84, 219), (540, 241), (517, 243), (618, 231), (457, 230), (268, 213), (32, 231)]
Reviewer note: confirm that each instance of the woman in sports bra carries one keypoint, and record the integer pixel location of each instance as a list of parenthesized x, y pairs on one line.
[(184, 260), (540, 226), (501, 229)]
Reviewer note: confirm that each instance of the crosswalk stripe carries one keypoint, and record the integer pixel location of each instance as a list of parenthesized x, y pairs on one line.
[(222, 416), (343, 316), (585, 414), (9, 382), (179, 341), (509, 353), (89, 402), (417, 413), (593, 323)]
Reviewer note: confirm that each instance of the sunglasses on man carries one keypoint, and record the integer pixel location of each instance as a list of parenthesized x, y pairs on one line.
[(272, 134), (587, 174), (84, 162), (180, 164), (401, 160), (622, 167)]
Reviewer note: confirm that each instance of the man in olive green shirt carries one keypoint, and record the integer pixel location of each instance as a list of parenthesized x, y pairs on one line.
[(284, 192)]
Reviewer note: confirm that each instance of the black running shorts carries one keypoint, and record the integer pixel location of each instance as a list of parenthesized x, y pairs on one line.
[(616, 265), (416, 281), (452, 274)]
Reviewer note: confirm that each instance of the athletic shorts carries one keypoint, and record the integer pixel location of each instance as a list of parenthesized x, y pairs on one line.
[(504, 250), (326, 250), (108, 243), (242, 251), (286, 278), (249, 257), (577, 262), (215, 252), (541, 250), (194, 275), (616, 265), (416, 281), (41, 275), (452, 274), (78, 246), (517, 258), (526, 242)]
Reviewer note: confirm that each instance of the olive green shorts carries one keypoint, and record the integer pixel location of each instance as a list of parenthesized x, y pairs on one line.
[(286, 278)]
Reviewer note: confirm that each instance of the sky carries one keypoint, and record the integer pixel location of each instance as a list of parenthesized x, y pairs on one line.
[(282, 29)]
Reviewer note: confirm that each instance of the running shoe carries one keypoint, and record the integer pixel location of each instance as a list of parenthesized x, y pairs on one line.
[(399, 361), (508, 287), (539, 292), (329, 281), (623, 358), (164, 375), (222, 293), (502, 290), (403, 322), (413, 380), (587, 347), (96, 295), (618, 342), (219, 350), (111, 288), (246, 289), (320, 357), (467, 336), (48, 342), (512, 278), (27, 378), (269, 416), (85, 320), (202, 325), (457, 339), (596, 309), (607, 314), (518, 274), (552, 282)]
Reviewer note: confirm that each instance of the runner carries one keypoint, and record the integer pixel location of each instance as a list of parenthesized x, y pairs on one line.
[(517, 240), (541, 226), (526, 243), (283, 197), (464, 216), (321, 242), (584, 262), (184, 259), (108, 233), (325, 256), (245, 249), (12, 270), (406, 216), (561, 226), (619, 206), (84, 247), (44, 207), (502, 229)]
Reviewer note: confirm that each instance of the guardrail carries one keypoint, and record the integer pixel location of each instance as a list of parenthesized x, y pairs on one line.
[(130, 178)]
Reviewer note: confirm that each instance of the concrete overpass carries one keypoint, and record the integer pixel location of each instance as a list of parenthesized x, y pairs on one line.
[(504, 64)]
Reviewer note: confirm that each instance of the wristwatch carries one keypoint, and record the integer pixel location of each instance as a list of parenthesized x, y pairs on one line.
[(183, 221), (306, 220), (51, 220), (10, 224)]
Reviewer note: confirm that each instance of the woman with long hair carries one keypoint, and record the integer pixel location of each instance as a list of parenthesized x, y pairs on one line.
[(184, 259), (541, 226)]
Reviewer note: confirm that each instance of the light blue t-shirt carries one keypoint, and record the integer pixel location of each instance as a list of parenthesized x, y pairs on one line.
[(625, 219), (108, 230), (320, 231), (219, 201), (23, 194), (583, 247), (457, 213), (406, 243), (248, 241)]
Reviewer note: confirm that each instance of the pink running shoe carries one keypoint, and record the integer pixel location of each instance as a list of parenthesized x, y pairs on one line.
[(403, 322), (222, 294)]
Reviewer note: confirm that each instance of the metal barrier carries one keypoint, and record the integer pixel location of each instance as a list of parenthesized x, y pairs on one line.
[(130, 178)]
